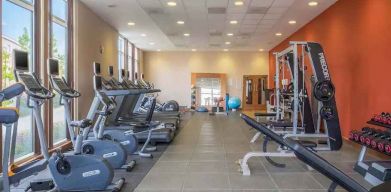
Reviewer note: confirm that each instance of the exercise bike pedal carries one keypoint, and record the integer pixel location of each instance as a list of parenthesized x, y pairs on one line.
[(154, 148), (147, 155)]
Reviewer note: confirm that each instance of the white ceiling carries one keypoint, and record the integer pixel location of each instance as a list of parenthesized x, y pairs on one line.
[(207, 21)]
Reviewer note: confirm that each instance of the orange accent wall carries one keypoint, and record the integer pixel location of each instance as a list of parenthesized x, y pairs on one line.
[(356, 38)]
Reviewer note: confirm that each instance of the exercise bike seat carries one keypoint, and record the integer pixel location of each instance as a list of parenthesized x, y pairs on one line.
[(82, 123), (8, 115)]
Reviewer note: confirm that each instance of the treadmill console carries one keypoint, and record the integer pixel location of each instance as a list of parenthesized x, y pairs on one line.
[(97, 68), (111, 71)]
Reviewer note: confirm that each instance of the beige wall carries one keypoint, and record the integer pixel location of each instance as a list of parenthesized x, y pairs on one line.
[(91, 34), (171, 71)]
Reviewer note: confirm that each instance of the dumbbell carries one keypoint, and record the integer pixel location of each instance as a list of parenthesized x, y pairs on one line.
[(383, 118), (380, 140), (369, 138), (387, 148), (381, 145), (356, 134), (365, 131)]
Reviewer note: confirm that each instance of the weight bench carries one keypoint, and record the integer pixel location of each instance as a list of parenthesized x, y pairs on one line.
[(315, 161)]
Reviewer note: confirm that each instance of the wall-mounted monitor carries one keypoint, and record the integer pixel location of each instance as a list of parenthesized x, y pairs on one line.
[(21, 60), (97, 70), (53, 67), (111, 71)]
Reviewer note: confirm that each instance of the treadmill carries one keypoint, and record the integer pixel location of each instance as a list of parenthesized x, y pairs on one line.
[(128, 105), (164, 135)]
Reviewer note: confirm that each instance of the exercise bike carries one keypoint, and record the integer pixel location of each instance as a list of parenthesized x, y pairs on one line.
[(71, 172), (113, 151)]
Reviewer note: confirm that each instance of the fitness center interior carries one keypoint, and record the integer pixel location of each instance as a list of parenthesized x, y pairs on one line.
[(195, 95)]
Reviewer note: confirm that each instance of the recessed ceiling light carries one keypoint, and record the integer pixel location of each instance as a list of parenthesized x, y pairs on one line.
[(152, 43), (278, 34), (194, 50), (230, 34), (131, 23), (143, 35), (225, 50), (180, 22), (186, 34), (261, 50), (159, 50), (292, 22), (233, 22), (312, 3), (239, 3), (227, 43), (171, 3)]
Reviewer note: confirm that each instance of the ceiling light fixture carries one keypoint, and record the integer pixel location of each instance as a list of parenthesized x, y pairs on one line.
[(239, 3), (152, 43), (233, 22), (227, 43), (312, 3), (226, 50), (186, 34), (171, 3), (143, 35), (261, 50), (278, 34), (180, 22), (194, 50), (131, 23), (230, 34), (159, 50), (292, 22)]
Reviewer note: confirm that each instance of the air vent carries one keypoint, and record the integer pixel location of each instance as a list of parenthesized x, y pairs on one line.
[(243, 35), (217, 10), (214, 45), (215, 34), (172, 34), (257, 10), (154, 11)]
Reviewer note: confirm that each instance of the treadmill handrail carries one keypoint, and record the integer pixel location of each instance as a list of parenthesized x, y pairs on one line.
[(309, 157), (120, 92)]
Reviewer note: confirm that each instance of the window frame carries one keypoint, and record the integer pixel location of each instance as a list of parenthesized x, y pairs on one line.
[(35, 9), (68, 24)]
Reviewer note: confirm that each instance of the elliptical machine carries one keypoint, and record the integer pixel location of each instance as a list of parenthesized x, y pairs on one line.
[(113, 151), (71, 172)]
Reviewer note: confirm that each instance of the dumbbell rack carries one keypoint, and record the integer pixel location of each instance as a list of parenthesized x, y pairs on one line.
[(370, 169)]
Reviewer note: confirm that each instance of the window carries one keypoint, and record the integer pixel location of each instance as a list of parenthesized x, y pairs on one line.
[(130, 60), (17, 33), (121, 54), (58, 48)]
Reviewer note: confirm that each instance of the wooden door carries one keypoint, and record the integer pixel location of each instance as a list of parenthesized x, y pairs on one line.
[(254, 92)]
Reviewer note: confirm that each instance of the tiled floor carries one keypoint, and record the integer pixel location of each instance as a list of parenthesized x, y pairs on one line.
[(203, 158)]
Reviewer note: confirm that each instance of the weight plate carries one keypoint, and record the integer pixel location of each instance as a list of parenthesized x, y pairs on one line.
[(324, 90), (327, 112)]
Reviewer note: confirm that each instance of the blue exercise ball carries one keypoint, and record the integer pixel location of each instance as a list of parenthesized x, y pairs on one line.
[(234, 103), (202, 109)]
